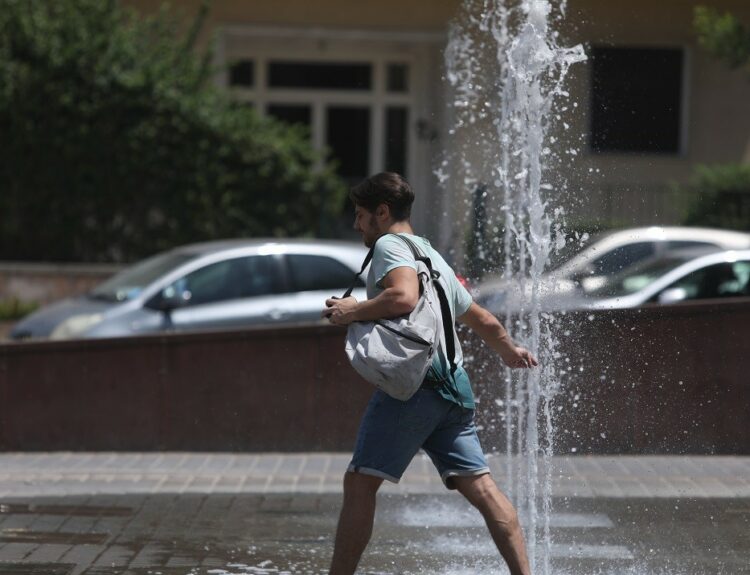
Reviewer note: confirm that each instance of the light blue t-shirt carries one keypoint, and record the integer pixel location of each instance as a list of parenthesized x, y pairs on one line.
[(390, 253)]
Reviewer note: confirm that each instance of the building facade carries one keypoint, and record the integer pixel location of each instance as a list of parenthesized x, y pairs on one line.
[(366, 78)]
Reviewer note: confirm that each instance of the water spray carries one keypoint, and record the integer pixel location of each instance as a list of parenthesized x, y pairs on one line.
[(513, 106)]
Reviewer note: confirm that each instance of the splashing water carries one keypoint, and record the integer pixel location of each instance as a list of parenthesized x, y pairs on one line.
[(500, 132)]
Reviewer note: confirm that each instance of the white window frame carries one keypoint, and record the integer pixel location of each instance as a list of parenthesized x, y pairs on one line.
[(377, 99), (379, 48)]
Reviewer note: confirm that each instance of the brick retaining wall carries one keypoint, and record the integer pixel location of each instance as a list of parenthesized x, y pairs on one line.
[(658, 380)]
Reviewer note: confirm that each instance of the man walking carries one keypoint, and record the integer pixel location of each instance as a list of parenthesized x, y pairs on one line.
[(439, 418)]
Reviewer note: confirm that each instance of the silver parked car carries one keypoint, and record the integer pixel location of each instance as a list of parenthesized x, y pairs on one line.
[(606, 255), (212, 285), (684, 275)]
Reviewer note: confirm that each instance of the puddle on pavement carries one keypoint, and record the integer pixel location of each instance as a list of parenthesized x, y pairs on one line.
[(139, 571), (77, 510), (35, 568), (416, 534), (28, 536)]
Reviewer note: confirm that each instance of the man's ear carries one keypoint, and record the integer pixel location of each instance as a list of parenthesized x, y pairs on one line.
[(383, 212)]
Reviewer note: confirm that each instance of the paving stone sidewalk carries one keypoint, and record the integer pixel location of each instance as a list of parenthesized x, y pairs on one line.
[(35, 474), (240, 514)]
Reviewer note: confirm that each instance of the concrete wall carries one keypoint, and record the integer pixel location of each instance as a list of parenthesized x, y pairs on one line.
[(635, 188), (656, 380), (716, 125), (260, 390), (384, 14), (659, 379), (44, 283)]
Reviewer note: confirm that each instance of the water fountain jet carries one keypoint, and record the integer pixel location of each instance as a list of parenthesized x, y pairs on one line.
[(529, 73)]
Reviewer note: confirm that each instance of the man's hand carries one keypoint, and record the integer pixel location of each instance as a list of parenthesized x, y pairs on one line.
[(489, 328), (399, 297), (515, 356), (340, 311)]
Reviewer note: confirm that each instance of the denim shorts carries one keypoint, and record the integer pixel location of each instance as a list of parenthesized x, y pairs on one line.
[(393, 431)]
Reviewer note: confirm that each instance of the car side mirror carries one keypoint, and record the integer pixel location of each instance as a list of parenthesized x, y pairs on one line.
[(673, 295), (583, 273), (170, 298)]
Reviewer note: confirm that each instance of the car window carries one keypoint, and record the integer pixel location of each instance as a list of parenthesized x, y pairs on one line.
[(717, 281), (310, 273), (575, 243), (129, 283), (637, 277), (685, 244), (231, 279), (621, 258)]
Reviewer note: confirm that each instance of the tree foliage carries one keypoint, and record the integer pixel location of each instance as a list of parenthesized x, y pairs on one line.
[(722, 192), (721, 197), (115, 142), (723, 36)]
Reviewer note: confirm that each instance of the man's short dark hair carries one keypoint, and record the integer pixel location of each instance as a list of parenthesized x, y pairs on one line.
[(385, 188)]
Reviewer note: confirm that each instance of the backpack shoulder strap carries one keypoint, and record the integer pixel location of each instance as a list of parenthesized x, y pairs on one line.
[(368, 259), (445, 310)]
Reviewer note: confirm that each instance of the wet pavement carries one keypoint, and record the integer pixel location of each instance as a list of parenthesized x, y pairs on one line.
[(221, 514)]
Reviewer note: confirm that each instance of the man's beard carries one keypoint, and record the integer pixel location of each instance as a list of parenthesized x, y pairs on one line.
[(372, 233)]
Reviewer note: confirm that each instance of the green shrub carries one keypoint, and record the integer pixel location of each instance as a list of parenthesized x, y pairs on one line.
[(15, 309), (721, 197), (722, 35), (116, 141)]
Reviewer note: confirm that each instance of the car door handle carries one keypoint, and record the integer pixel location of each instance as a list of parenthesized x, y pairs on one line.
[(278, 314)]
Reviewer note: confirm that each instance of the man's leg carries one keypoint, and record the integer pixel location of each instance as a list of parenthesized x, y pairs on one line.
[(501, 519), (355, 522)]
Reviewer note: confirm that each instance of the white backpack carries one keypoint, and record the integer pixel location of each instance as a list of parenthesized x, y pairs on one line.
[(395, 354)]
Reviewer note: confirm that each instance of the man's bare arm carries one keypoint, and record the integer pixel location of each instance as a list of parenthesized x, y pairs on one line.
[(492, 332), (399, 297)]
